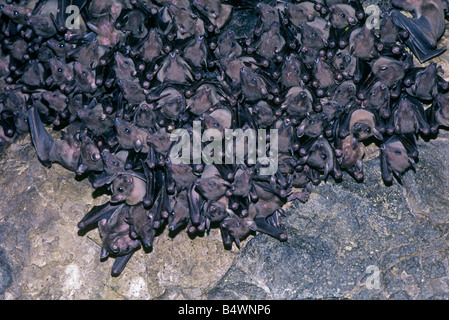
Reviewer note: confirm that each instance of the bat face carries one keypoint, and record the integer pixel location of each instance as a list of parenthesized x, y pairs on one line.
[(196, 52), (151, 47), (171, 103), (312, 126), (227, 46), (90, 156), (353, 152), (362, 125), (145, 117), (342, 15), (124, 67), (131, 137), (212, 188), (345, 63), (187, 23), (263, 114), (114, 162), (389, 71), (394, 159), (176, 69), (182, 175), (84, 78), (42, 25), (128, 188), (133, 92), (115, 234), (4, 65), (241, 185), (362, 45), (217, 13), (56, 101), (409, 117), (442, 110), (345, 93), (61, 72), (219, 119), (180, 214), (204, 99), (218, 210), (271, 42), (34, 75), (425, 84), (141, 226), (237, 227), (95, 119), (300, 13), (253, 86), (379, 99), (160, 141), (298, 102), (291, 72), (312, 38), (323, 75), (321, 156)]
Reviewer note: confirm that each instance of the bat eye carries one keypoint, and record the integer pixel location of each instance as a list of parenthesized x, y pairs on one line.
[(323, 156), (61, 45), (120, 189), (368, 130), (16, 13), (342, 15), (398, 152), (115, 163), (59, 70), (84, 74), (383, 68), (161, 138), (127, 131)]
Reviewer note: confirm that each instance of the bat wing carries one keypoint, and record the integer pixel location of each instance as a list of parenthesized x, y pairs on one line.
[(43, 142), (120, 263), (97, 213), (418, 41)]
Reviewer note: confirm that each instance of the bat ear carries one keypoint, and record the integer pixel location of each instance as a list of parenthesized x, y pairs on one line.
[(412, 163), (138, 145), (102, 223), (251, 225), (378, 135), (104, 253), (237, 242)]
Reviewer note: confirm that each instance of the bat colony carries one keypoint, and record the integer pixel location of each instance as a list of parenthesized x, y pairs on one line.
[(121, 77)]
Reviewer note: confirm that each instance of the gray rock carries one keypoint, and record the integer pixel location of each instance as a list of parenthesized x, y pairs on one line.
[(356, 241)]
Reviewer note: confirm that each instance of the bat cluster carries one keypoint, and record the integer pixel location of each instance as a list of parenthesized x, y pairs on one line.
[(133, 71)]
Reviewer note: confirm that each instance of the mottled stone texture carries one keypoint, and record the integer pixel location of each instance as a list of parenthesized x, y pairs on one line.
[(348, 232)]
